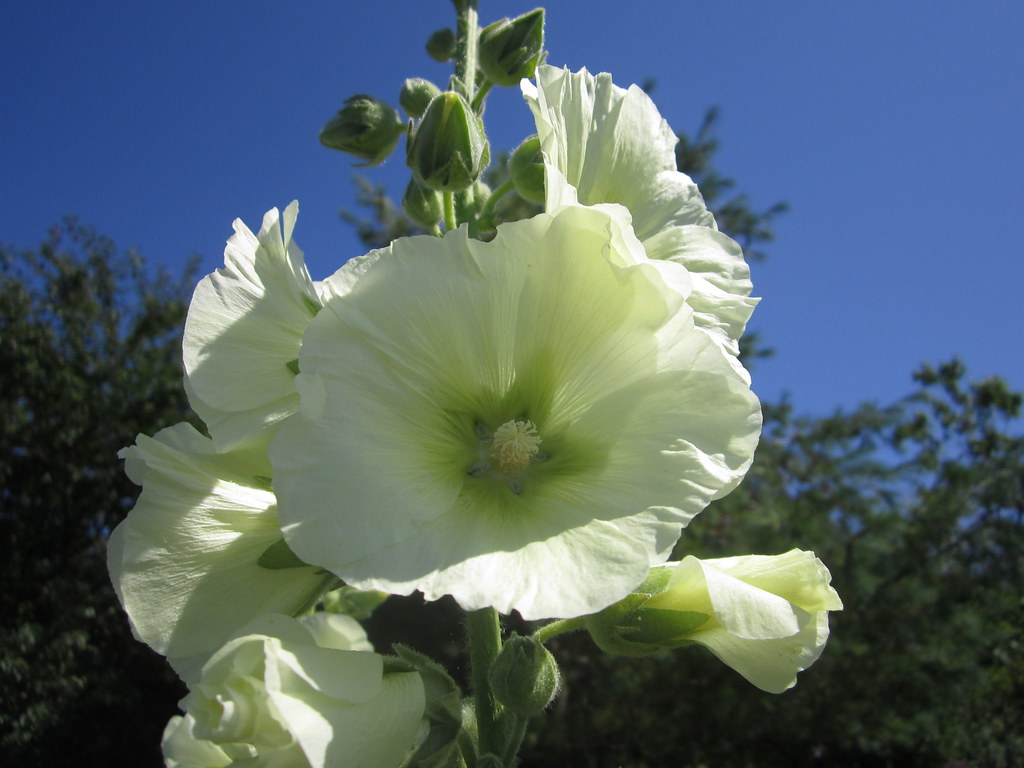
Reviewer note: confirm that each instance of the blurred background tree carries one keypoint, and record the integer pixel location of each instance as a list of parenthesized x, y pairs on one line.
[(90, 349), (917, 508)]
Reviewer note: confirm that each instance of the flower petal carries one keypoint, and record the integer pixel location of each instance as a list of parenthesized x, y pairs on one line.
[(560, 320), (184, 561)]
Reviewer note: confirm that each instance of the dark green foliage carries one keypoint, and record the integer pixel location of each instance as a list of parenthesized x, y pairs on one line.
[(90, 354)]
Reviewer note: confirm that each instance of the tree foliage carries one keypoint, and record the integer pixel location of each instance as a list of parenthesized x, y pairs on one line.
[(90, 350)]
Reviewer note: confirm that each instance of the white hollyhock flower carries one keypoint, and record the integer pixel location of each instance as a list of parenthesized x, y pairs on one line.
[(766, 616), (605, 144), (280, 696), (185, 563), (525, 424), (244, 329)]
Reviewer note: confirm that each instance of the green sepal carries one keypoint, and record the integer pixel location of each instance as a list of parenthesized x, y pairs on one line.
[(661, 626), (441, 748), (444, 699), (279, 556), (293, 366)]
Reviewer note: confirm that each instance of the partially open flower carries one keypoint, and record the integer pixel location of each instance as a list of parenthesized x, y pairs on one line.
[(605, 144), (764, 616), (281, 695), (185, 563), (525, 424)]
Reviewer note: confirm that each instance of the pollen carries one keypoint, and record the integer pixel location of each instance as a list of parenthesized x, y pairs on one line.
[(515, 443)]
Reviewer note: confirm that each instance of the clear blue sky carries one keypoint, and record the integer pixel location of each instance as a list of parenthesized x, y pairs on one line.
[(893, 129)]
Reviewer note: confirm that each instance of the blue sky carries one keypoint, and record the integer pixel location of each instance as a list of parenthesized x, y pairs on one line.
[(893, 129)]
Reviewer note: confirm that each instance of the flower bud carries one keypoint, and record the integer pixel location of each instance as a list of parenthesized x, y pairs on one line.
[(448, 149), (527, 169), (764, 616), (510, 50), (441, 45), (416, 95), (422, 205), (365, 127), (524, 677)]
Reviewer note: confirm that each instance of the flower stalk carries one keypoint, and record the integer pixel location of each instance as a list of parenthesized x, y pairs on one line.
[(483, 631)]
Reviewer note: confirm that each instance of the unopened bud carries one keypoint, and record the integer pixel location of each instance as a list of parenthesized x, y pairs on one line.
[(448, 149), (527, 169), (365, 127), (422, 205), (524, 677), (441, 45), (416, 95), (510, 50)]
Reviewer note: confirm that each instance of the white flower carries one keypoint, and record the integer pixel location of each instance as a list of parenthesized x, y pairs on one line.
[(766, 616), (282, 696), (185, 562), (244, 329), (525, 424), (604, 144)]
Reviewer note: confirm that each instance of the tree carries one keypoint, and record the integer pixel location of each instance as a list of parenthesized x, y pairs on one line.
[(90, 346)]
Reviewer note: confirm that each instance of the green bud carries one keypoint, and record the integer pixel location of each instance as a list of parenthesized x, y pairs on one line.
[(422, 205), (416, 95), (365, 127), (527, 169), (441, 45), (524, 677), (448, 149), (510, 50)]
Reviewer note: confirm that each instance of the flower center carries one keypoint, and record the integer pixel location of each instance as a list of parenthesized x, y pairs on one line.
[(515, 443)]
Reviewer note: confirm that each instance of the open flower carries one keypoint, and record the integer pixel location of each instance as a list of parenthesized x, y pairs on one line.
[(605, 144), (280, 695), (764, 616), (185, 563), (525, 424)]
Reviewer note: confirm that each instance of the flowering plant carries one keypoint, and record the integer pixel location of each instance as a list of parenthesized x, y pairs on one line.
[(522, 415)]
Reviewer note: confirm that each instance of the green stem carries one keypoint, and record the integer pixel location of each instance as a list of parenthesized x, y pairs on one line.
[(494, 197), (449, 210), (515, 736), (467, 32), (478, 99), (559, 627), (483, 630)]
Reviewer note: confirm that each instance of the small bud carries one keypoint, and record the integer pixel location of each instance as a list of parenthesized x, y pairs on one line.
[(510, 50), (524, 677), (422, 205), (365, 127), (448, 149), (441, 45), (416, 95), (527, 169)]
